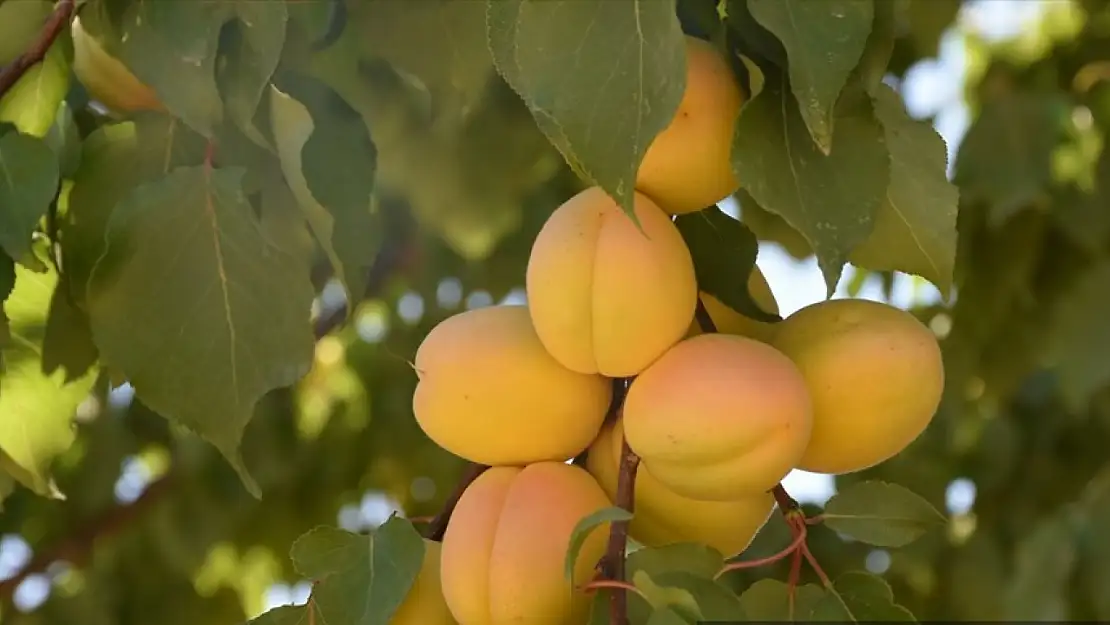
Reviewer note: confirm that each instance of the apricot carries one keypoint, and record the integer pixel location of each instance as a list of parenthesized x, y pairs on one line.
[(107, 80), (605, 296), (719, 417), (664, 517), (688, 165), (729, 321), (489, 392), (875, 375), (506, 544), (425, 605)]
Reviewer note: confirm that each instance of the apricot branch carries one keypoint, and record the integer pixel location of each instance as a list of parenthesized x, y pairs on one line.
[(618, 533), (12, 72)]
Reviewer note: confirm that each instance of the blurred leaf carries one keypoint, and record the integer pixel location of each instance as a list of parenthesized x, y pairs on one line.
[(915, 228), (769, 600), (200, 267), (928, 20), (881, 514), (601, 78), (1094, 548), (584, 528), (831, 200), (329, 161), (666, 616), (32, 103), (1080, 336), (1042, 570), (694, 558), (20, 24), (361, 578), (857, 596), (823, 41), (28, 183), (68, 344), (724, 252), (253, 60)]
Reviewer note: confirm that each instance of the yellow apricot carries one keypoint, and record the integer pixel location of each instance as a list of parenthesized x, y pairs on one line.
[(876, 377), (425, 605), (664, 517), (107, 80), (719, 417), (605, 296), (489, 392), (729, 321), (507, 541), (689, 164)]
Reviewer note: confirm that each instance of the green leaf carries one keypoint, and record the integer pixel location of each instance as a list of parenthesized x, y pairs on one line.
[(65, 139), (20, 24), (307, 614), (724, 252), (197, 279), (32, 103), (879, 48), (694, 558), (858, 597), (1080, 336), (583, 530), (915, 228), (1043, 563), (715, 602), (36, 410), (660, 596), (252, 61), (881, 514), (752, 39), (68, 343), (329, 162), (7, 283), (601, 78), (667, 616), (1005, 159), (29, 180), (824, 41), (361, 578), (831, 200), (769, 600)]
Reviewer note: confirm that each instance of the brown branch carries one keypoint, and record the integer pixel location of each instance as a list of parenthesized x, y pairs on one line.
[(438, 525), (618, 532), (12, 72), (701, 313)]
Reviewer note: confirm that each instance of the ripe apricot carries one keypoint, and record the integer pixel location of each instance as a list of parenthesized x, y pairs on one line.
[(876, 377), (106, 78), (425, 605), (507, 541), (605, 296), (689, 164), (663, 517), (719, 417), (489, 392), (729, 321)]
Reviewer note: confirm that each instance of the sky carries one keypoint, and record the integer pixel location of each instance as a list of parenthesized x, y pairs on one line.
[(932, 87)]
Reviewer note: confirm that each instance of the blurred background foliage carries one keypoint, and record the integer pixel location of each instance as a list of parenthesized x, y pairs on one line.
[(157, 528)]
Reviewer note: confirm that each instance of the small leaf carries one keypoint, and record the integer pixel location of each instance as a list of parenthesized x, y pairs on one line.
[(29, 180), (915, 229), (831, 200), (724, 253), (693, 558), (601, 78), (824, 41), (1080, 336), (859, 597), (585, 528), (252, 62), (769, 600), (881, 514), (198, 279), (361, 578)]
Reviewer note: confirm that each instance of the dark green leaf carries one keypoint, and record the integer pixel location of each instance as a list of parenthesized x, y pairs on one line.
[(1042, 572), (68, 343), (1080, 336), (824, 41), (724, 252), (28, 182), (253, 60), (881, 514), (831, 200), (769, 600), (329, 162), (601, 78), (198, 279), (752, 39), (859, 597), (583, 530), (694, 558), (361, 578), (915, 228)]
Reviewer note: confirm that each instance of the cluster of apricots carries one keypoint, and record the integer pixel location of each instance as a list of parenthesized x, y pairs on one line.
[(717, 419)]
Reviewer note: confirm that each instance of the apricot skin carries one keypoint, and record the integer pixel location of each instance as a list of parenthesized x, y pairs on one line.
[(729, 321), (106, 78), (506, 544), (876, 377), (605, 296), (689, 164), (719, 417), (664, 517), (425, 605), (488, 392)]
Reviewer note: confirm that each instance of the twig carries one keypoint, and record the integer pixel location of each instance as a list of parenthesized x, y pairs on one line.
[(787, 504), (13, 71), (618, 532), (792, 548), (438, 525)]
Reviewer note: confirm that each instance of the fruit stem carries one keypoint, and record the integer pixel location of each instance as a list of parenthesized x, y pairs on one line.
[(795, 545), (618, 532), (12, 72), (787, 504), (438, 525)]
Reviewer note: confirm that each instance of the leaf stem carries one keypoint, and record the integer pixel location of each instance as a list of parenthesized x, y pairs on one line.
[(792, 548), (12, 72)]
